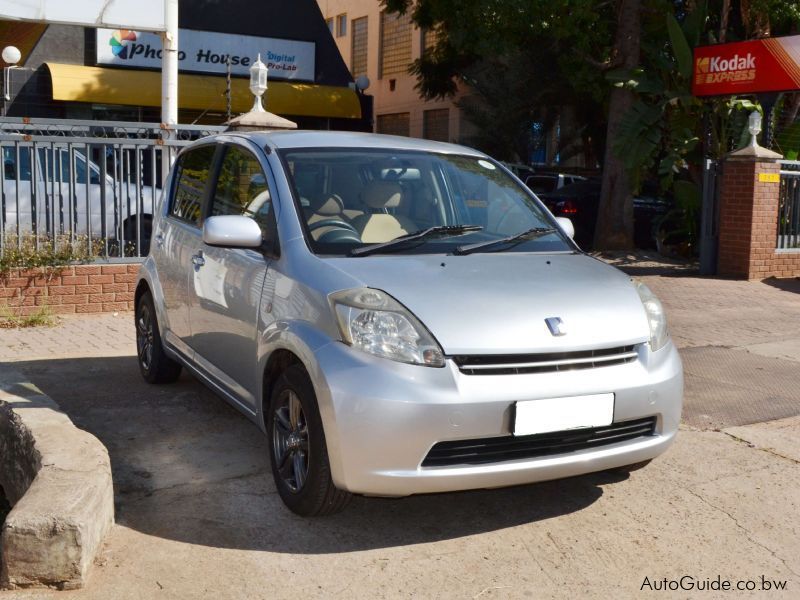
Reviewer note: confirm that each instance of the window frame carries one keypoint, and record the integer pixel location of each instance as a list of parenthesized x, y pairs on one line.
[(382, 74), (432, 113), (365, 19), (283, 157), (341, 25), (271, 243), (398, 116), (212, 177)]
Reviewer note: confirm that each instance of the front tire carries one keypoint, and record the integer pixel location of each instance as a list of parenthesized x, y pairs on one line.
[(298, 453), (154, 364)]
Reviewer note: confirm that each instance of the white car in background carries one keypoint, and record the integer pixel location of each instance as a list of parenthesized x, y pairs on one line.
[(58, 193)]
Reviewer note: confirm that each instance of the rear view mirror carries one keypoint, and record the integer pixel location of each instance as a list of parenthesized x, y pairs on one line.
[(566, 225), (232, 231)]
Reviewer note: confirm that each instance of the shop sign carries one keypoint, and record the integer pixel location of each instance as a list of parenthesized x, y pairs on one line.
[(765, 65), (208, 52)]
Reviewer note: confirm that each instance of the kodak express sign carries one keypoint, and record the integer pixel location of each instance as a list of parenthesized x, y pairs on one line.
[(766, 65)]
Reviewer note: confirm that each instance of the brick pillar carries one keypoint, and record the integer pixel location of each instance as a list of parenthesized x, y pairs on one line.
[(748, 214)]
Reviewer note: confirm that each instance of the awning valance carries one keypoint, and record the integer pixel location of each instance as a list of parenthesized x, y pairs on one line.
[(77, 83)]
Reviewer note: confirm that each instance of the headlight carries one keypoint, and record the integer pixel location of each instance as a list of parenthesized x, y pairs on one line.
[(656, 318), (376, 323)]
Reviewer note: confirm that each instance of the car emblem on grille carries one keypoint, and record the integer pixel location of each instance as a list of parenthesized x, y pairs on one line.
[(556, 326)]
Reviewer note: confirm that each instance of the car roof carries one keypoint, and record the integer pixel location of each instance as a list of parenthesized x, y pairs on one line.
[(290, 140)]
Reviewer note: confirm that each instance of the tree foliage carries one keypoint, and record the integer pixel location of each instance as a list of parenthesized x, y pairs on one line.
[(526, 60), (520, 60)]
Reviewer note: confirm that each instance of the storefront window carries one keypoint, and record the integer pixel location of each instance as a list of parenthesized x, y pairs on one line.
[(394, 124)]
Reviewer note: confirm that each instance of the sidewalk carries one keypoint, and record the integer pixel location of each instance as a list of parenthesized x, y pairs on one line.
[(198, 515)]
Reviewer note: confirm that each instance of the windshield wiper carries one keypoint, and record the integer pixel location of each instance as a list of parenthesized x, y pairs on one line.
[(528, 234), (438, 231)]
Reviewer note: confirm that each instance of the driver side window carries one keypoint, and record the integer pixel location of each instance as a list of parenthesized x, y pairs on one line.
[(242, 189)]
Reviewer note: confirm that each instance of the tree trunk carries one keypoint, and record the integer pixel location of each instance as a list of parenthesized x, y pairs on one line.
[(791, 110), (615, 218), (723, 24)]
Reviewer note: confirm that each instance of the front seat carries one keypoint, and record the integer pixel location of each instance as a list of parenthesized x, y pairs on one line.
[(378, 225), (325, 207)]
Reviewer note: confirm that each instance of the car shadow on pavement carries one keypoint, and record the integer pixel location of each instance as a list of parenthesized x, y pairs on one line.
[(787, 285), (188, 467)]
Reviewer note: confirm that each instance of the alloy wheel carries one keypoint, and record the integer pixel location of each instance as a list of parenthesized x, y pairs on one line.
[(290, 441), (144, 336)]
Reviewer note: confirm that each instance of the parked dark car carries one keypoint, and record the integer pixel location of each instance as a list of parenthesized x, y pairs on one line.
[(545, 183), (579, 202)]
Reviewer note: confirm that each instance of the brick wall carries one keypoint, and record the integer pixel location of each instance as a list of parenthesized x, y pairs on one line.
[(76, 289), (748, 222)]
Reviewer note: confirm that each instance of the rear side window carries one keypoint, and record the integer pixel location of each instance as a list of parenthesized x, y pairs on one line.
[(242, 188), (10, 163), (191, 178)]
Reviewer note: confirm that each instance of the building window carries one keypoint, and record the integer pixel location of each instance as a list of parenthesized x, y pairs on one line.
[(436, 124), (395, 52), (329, 23), (430, 37), (358, 64), (341, 25), (394, 124)]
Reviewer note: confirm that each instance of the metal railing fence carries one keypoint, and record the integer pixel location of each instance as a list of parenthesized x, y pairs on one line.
[(90, 185), (789, 206)]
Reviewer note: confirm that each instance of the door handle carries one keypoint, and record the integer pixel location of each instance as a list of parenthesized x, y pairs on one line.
[(159, 240), (198, 260)]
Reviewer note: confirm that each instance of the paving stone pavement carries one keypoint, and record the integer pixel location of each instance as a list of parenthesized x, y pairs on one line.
[(198, 515), (99, 334)]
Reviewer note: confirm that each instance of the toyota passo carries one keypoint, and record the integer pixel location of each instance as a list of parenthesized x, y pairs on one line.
[(399, 317)]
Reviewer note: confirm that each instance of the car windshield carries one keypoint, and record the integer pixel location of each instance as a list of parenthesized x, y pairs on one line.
[(356, 198)]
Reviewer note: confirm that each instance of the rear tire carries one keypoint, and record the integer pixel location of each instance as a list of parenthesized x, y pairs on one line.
[(298, 452), (154, 364), (131, 226)]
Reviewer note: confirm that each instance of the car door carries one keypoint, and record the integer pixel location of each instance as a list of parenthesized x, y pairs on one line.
[(177, 238), (225, 288)]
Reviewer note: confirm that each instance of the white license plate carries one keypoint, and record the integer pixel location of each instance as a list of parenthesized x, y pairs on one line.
[(558, 414)]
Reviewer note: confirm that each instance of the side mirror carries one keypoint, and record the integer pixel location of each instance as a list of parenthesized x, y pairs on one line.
[(232, 231), (567, 226)]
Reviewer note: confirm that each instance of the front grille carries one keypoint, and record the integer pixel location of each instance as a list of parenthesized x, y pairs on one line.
[(506, 448), (517, 364)]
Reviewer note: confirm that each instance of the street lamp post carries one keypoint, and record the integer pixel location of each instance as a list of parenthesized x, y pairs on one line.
[(258, 83), (11, 56), (754, 126)]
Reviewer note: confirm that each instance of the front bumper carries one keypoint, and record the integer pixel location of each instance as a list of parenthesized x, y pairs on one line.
[(381, 418)]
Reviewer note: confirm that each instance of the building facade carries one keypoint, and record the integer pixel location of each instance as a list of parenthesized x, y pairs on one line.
[(74, 72), (382, 46)]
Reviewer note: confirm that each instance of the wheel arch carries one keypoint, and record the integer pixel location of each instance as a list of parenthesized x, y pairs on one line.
[(279, 360), (141, 288)]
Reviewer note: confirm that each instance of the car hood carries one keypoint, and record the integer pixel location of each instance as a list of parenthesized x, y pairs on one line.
[(497, 303)]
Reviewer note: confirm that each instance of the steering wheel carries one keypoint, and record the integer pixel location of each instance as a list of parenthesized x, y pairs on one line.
[(332, 223)]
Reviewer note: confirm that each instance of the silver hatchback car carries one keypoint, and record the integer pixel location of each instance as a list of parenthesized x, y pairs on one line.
[(399, 317)]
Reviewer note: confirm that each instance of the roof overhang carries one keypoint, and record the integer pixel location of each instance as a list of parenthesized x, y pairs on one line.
[(78, 83)]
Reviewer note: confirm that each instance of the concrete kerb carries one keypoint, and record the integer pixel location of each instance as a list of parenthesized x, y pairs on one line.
[(58, 481)]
